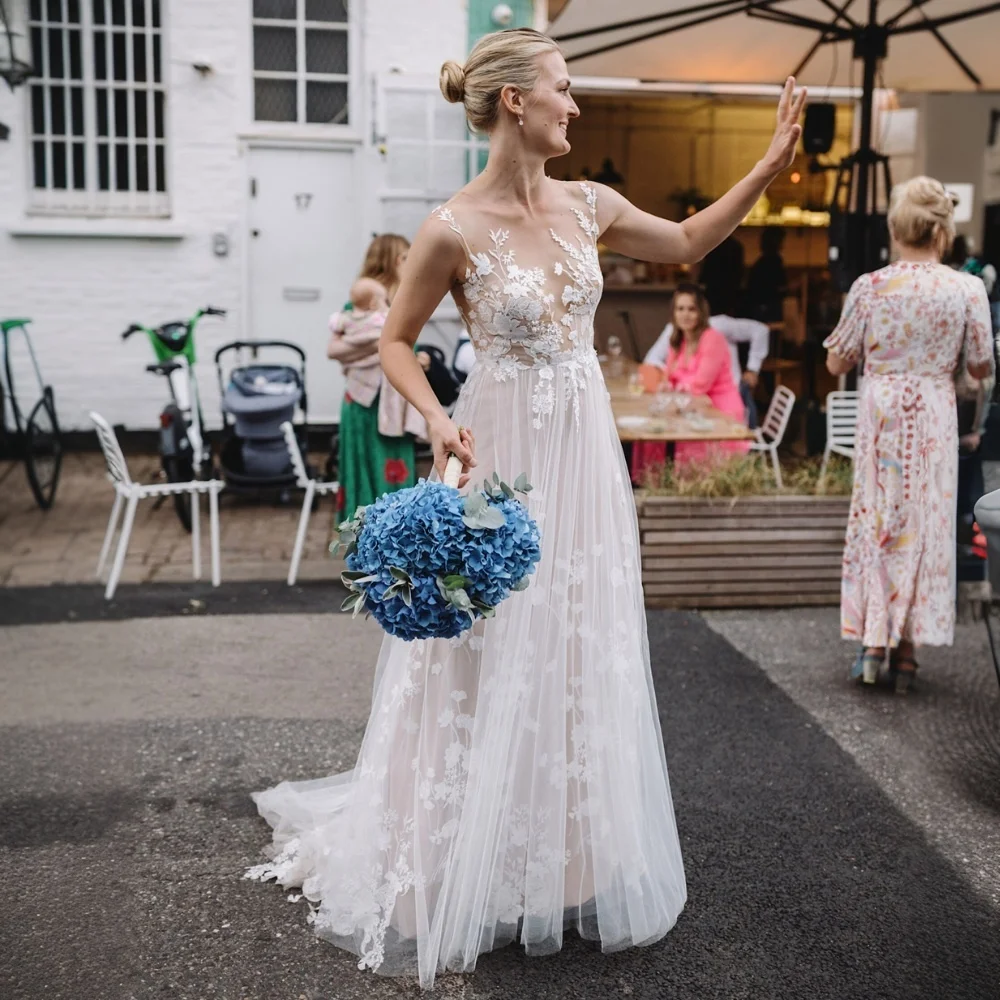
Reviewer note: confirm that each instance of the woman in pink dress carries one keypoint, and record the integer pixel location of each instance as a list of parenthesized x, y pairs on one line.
[(699, 362), (916, 323)]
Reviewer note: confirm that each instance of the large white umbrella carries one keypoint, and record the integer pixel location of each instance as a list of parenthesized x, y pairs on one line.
[(905, 44), (918, 44)]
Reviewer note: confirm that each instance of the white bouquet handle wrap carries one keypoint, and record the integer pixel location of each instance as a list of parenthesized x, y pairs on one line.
[(453, 471)]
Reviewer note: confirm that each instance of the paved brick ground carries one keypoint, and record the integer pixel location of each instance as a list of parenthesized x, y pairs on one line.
[(62, 545)]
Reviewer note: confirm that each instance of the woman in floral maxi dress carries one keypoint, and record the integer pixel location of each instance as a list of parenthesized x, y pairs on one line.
[(915, 323)]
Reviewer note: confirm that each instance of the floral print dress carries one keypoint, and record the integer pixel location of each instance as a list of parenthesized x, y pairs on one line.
[(914, 324)]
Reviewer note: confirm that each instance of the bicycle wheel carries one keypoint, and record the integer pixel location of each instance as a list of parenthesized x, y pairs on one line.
[(179, 470), (43, 450)]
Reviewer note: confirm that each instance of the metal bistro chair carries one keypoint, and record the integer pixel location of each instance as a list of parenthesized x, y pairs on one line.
[(310, 487), (772, 431), (841, 424), (129, 493)]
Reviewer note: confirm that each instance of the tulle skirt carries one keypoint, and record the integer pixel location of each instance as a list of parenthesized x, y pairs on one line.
[(511, 782)]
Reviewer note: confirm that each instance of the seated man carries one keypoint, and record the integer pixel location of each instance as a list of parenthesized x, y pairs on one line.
[(736, 331)]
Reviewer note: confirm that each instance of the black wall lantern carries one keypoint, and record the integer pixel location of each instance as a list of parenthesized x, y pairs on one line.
[(15, 45)]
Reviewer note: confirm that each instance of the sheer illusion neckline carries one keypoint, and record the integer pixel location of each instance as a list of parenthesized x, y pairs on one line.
[(536, 319)]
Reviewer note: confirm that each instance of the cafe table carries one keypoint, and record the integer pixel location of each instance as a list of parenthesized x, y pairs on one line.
[(664, 416)]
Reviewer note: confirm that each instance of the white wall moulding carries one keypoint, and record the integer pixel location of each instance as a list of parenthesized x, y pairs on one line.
[(115, 229)]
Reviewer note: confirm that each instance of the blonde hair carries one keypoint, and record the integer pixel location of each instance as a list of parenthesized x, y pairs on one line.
[(922, 214), (381, 260), (496, 61)]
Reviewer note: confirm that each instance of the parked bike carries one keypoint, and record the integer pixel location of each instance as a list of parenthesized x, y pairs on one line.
[(36, 439), (185, 452)]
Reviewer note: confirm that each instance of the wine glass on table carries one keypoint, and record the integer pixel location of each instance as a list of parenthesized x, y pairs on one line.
[(614, 347)]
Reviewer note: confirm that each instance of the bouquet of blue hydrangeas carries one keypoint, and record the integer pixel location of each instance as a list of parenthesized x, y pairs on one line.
[(427, 562)]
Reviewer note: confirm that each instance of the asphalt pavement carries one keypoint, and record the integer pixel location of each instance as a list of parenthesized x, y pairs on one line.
[(824, 828)]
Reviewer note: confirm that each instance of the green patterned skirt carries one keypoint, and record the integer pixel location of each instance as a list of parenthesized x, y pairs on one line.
[(370, 464)]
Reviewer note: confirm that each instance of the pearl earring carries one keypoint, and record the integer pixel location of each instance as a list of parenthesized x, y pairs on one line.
[(520, 120)]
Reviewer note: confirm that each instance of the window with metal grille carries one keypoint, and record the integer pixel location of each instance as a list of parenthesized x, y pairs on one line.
[(301, 61), (98, 108)]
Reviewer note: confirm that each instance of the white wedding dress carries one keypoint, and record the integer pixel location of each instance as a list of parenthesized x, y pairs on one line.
[(511, 782)]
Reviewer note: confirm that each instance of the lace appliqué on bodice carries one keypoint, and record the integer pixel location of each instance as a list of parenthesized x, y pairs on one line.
[(515, 320)]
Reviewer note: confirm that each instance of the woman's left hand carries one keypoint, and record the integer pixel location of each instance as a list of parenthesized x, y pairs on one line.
[(781, 152)]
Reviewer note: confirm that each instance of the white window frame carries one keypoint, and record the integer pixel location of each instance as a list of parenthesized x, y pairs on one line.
[(302, 76), (91, 200), (425, 190)]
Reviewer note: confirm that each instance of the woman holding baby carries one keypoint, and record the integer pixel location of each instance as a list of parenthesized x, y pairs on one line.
[(376, 452)]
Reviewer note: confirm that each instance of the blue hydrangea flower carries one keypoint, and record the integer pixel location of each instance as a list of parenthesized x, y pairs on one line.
[(421, 531)]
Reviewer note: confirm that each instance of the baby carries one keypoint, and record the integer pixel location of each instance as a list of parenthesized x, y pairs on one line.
[(356, 330), (369, 295)]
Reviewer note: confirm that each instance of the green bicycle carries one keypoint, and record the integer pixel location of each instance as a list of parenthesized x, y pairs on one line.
[(35, 439)]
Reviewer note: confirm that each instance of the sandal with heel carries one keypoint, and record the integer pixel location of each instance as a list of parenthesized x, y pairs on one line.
[(866, 667), (903, 671)]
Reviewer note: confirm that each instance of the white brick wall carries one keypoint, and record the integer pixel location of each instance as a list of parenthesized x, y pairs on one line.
[(81, 292)]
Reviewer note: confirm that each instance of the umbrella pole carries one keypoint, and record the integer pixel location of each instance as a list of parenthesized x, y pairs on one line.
[(870, 46)]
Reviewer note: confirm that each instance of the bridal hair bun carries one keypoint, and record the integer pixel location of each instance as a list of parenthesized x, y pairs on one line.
[(922, 214), (504, 58), (453, 82)]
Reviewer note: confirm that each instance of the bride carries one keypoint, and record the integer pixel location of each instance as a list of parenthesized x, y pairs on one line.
[(512, 782)]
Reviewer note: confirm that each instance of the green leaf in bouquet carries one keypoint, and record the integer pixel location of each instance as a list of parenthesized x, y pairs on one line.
[(454, 581), (507, 491), (353, 578), (492, 518), (354, 603), (496, 478), (522, 485), (521, 584), (474, 503), (400, 574), (485, 610), (460, 599)]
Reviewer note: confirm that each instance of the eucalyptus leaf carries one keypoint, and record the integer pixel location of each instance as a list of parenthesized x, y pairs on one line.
[(459, 599), (474, 503), (521, 484), (496, 478), (507, 491), (492, 518)]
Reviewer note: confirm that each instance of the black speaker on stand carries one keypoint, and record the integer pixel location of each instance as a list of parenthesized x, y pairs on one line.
[(859, 230), (819, 128)]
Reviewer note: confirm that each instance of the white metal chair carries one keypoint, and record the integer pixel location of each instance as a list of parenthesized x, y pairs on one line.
[(311, 487), (841, 424), (129, 493), (772, 431)]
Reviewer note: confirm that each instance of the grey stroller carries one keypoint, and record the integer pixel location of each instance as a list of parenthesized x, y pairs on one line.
[(257, 399)]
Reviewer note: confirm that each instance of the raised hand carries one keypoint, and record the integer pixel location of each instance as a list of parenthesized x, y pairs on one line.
[(787, 131)]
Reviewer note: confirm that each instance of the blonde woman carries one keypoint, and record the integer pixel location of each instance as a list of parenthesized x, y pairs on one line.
[(917, 323), (512, 783)]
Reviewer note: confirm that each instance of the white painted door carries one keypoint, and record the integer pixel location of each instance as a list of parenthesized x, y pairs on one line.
[(306, 246)]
